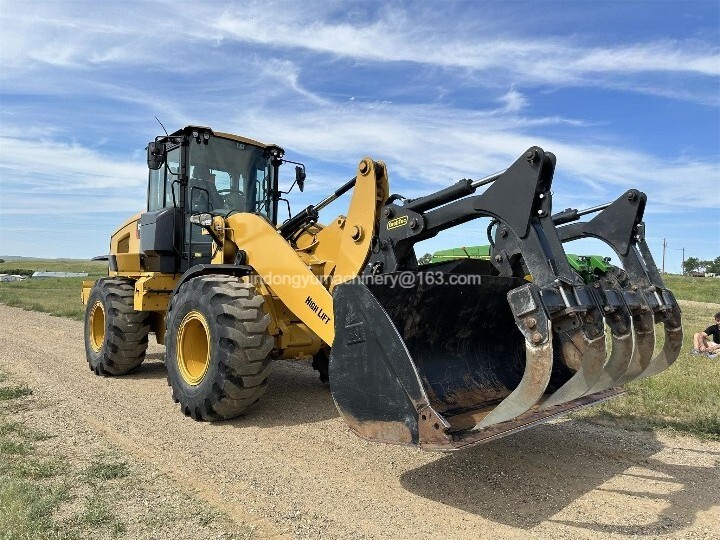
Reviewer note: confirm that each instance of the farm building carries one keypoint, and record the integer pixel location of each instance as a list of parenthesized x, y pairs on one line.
[(58, 274), (10, 277)]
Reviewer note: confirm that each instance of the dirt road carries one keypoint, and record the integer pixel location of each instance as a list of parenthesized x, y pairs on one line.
[(292, 469)]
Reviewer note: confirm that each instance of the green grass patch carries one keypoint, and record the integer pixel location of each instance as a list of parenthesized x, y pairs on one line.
[(28, 508), (98, 268), (97, 511), (47, 493), (694, 288), (34, 485), (14, 392), (106, 471), (28, 494), (13, 448), (56, 296)]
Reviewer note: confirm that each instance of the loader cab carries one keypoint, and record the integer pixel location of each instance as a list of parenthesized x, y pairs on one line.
[(195, 170)]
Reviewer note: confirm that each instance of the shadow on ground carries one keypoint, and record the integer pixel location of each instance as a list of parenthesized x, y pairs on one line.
[(526, 479), (152, 368), (294, 396)]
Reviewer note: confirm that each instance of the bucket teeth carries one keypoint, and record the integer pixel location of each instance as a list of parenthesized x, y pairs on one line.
[(668, 354), (533, 322), (617, 364)]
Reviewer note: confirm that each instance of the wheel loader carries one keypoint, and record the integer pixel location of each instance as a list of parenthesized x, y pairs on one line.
[(439, 356)]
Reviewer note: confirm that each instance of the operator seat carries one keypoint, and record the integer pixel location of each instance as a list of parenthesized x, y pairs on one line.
[(204, 180)]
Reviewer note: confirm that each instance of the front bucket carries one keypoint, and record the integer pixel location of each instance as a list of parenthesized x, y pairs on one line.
[(428, 363)]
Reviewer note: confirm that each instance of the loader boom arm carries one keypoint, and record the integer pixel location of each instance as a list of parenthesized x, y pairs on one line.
[(345, 250)]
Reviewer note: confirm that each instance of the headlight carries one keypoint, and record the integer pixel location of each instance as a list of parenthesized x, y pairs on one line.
[(201, 219)]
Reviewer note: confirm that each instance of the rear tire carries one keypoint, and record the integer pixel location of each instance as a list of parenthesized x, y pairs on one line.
[(116, 336), (217, 347), (321, 364)]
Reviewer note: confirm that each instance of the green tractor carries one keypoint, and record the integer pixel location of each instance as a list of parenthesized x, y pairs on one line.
[(589, 267)]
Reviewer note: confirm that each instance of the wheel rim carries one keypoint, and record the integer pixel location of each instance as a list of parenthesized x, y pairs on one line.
[(193, 348), (97, 326)]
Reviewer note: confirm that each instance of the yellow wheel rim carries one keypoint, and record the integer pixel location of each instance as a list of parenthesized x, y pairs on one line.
[(97, 326), (193, 348)]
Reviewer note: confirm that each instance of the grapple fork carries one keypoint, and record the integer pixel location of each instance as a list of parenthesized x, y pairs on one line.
[(441, 364)]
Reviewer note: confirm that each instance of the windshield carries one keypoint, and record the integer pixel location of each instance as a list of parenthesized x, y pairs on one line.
[(229, 176)]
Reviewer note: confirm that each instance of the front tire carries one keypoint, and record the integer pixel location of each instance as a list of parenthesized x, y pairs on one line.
[(217, 347), (116, 336)]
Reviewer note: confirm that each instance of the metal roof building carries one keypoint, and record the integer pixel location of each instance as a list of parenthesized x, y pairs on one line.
[(58, 274)]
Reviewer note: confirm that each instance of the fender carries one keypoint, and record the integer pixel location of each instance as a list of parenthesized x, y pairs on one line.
[(204, 269)]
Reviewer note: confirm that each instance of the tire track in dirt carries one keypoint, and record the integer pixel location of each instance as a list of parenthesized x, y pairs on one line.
[(291, 467)]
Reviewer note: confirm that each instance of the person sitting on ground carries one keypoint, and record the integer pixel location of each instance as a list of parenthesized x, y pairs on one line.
[(702, 343)]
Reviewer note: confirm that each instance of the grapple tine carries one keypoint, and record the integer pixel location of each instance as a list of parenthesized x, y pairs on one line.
[(673, 343), (617, 365), (668, 354), (644, 338), (593, 354), (619, 320), (532, 321), (620, 225), (538, 368)]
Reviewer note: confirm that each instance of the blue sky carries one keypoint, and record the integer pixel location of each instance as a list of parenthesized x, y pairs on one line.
[(626, 94)]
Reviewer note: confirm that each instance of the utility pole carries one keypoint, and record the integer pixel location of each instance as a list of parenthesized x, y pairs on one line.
[(664, 248), (683, 266)]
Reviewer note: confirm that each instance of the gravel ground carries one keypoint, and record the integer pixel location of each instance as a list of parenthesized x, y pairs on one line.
[(291, 469)]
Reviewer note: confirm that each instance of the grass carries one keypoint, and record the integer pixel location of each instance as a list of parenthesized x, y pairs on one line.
[(100, 471), (13, 392), (34, 485), (56, 296), (50, 492), (55, 265), (694, 288)]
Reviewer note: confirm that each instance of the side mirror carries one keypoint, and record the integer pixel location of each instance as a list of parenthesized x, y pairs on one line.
[(155, 155), (300, 177)]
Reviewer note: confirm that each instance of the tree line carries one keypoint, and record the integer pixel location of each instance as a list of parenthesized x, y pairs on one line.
[(693, 264)]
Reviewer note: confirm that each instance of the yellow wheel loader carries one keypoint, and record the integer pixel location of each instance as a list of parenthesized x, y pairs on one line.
[(440, 355)]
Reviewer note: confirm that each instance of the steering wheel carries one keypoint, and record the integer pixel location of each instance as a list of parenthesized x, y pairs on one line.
[(233, 199)]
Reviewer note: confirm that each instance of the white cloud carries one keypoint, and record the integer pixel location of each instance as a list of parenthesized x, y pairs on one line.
[(513, 101), (436, 96), (42, 164), (73, 37), (427, 148)]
